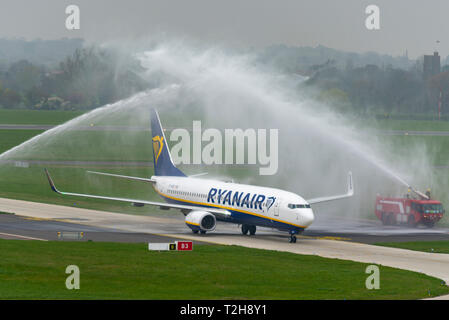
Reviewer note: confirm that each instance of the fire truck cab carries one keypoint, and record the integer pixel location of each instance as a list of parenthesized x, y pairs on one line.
[(409, 211)]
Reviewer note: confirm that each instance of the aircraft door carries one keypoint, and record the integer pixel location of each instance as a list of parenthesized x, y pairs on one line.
[(276, 208)]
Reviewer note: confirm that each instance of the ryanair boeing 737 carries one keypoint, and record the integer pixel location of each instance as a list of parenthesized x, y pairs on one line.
[(205, 201)]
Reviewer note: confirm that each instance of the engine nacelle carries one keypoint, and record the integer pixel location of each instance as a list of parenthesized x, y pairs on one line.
[(201, 220)]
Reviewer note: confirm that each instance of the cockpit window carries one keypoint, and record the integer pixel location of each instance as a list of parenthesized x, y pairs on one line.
[(301, 206)]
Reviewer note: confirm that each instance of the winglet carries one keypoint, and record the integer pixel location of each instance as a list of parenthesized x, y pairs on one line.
[(348, 194), (52, 184)]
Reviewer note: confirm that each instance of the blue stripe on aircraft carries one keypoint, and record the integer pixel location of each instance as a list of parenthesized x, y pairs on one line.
[(244, 218)]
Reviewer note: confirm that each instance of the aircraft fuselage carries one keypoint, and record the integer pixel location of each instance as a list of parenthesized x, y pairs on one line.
[(252, 205)]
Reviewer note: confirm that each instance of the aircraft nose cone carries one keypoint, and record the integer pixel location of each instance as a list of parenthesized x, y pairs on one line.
[(308, 217)]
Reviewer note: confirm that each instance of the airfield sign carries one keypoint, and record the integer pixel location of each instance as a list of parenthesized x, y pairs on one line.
[(176, 246)]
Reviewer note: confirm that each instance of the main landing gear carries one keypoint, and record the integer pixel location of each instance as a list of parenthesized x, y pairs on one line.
[(248, 228), (200, 231), (292, 237)]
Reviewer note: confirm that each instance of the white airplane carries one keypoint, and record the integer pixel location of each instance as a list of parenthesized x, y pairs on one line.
[(204, 201)]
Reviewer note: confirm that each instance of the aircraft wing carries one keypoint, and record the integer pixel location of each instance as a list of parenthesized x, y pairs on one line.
[(215, 211), (120, 176), (350, 193)]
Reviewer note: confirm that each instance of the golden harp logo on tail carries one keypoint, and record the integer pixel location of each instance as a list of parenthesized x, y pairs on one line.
[(158, 144)]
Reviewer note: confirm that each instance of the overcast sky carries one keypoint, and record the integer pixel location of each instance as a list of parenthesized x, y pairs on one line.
[(405, 24)]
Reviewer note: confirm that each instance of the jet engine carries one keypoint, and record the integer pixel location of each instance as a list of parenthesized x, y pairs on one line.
[(201, 221)]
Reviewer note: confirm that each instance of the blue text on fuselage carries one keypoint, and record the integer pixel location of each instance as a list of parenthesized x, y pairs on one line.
[(236, 198)]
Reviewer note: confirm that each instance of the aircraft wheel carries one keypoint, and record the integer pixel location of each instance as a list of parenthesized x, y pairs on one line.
[(252, 230), (203, 231), (195, 231), (245, 229), (292, 239)]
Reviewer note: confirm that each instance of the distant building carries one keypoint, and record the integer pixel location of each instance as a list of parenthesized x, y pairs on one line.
[(432, 65)]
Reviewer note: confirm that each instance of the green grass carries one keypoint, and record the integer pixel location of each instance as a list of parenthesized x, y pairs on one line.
[(12, 138), (425, 246), (31, 184), (89, 146), (36, 117), (436, 147), (130, 271)]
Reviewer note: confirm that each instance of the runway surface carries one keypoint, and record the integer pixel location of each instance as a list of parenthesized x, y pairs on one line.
[(371, 230), (314, 242), (328, 227), (94, 127), (29, 228)]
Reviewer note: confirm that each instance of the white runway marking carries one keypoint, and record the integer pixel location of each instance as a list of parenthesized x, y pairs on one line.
[(19, 236)]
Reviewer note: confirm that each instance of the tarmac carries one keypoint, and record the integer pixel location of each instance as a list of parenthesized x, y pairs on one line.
[(38, 221)]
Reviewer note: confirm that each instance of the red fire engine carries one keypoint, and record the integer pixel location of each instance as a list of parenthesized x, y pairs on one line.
[(408, 211)]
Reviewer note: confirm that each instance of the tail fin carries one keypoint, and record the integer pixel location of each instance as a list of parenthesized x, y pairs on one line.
[(163, 163)]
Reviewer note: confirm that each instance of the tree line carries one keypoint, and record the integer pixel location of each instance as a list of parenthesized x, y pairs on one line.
[(92, 77), (376, 90), (87, 79)]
